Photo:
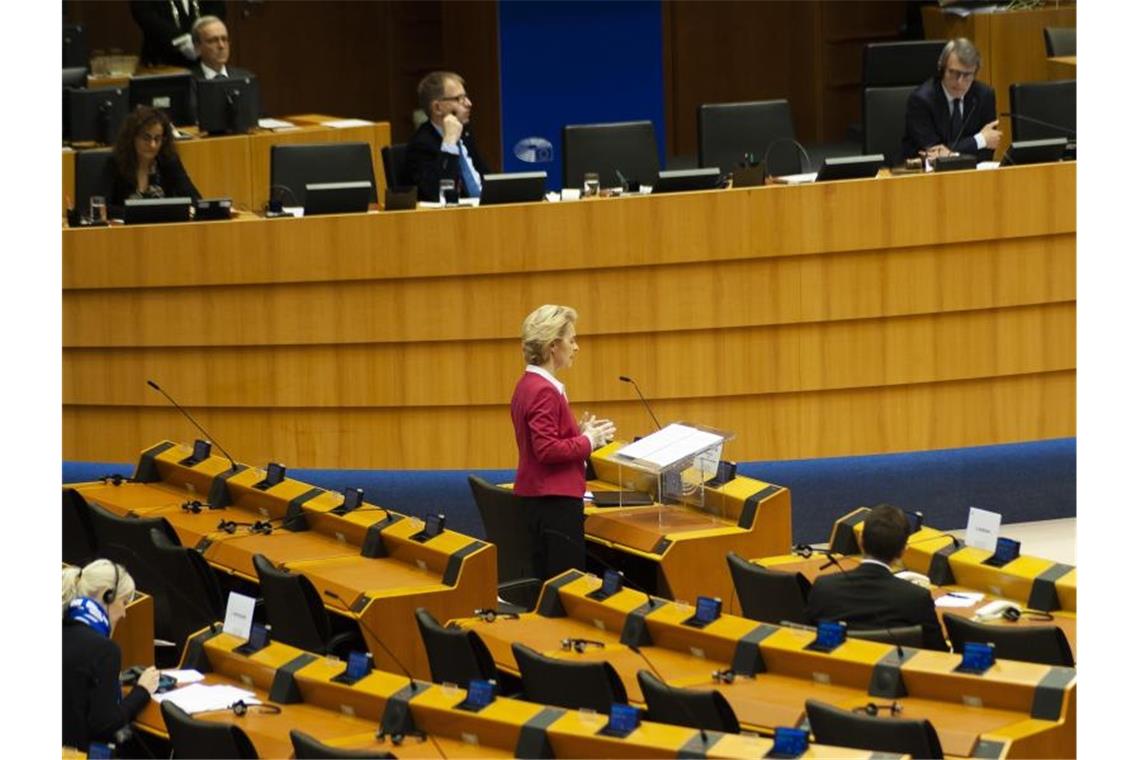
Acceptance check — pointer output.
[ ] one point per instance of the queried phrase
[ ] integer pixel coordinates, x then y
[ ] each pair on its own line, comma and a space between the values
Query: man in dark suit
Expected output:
212, 44
870, 596
952, 112
442, 147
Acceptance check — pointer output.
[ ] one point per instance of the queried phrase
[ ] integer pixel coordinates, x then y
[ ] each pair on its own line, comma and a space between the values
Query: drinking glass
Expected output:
447, 192
98, 209
590, 185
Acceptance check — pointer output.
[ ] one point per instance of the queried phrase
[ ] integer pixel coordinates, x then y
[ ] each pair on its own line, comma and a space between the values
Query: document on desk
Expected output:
346, 123
199, 697
268, 123
958, 599
669, 445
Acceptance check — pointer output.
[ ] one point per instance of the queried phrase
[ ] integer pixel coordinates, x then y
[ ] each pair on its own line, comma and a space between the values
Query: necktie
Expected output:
470, 183
955, 121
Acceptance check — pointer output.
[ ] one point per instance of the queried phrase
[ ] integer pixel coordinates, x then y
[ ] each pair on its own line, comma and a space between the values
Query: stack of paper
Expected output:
199, 697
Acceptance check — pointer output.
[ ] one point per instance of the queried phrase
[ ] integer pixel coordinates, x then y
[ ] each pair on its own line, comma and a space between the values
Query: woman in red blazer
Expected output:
553, 448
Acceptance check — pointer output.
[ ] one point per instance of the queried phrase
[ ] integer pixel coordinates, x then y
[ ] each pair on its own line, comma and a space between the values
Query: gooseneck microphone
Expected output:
648, 408
1070, 133
187, 415
625, 581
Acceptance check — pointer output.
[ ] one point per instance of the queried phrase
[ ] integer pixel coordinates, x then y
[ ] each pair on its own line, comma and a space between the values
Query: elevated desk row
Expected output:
237, 166
348, 716
1014, 709
827, 319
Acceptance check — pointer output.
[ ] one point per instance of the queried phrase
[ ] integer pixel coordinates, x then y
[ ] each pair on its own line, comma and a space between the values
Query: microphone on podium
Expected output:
649, 409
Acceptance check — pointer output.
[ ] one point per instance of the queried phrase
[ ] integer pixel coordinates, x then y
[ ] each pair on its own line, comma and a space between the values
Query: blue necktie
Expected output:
470, 181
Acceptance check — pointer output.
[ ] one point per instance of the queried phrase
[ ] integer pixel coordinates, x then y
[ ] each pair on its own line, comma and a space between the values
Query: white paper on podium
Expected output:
670, 444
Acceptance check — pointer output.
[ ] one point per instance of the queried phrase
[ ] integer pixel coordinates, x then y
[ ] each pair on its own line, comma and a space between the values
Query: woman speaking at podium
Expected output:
553, 448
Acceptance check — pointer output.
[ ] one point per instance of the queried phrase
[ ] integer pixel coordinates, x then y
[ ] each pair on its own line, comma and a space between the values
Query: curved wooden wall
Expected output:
894, 314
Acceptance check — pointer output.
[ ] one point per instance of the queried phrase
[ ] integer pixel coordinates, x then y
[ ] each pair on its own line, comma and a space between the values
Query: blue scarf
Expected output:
89, 612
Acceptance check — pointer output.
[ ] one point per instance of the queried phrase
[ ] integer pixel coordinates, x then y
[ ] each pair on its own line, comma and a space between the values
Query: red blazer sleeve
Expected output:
542, 419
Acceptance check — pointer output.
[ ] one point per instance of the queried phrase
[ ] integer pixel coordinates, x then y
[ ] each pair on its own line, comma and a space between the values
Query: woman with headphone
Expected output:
95, 599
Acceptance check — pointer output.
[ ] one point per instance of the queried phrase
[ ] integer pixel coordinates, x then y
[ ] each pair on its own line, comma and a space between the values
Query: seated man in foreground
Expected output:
871, 597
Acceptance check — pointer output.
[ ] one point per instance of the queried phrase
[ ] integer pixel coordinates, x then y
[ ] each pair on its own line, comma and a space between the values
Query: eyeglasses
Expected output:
156, 139
961, 76
457, 98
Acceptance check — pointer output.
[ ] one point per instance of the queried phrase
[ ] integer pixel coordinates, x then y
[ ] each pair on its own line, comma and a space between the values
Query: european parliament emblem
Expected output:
534, 150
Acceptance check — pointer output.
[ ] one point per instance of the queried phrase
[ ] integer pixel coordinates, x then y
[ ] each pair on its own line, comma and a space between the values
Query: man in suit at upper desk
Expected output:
212, 43
870, 596
442, 147
952, 112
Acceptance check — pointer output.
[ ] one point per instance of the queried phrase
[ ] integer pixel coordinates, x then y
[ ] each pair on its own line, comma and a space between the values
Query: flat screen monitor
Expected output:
516, 187
173, 93
851, 167
291, 167
606, 149
95, 115
156, 210
681, 180
1035, 152
228, 105
336, 198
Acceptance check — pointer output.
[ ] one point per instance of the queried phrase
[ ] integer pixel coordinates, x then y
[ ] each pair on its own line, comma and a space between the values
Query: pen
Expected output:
958, 596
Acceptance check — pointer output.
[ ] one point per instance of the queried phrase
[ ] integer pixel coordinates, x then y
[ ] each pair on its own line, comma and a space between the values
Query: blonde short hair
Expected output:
94, 580
542, 327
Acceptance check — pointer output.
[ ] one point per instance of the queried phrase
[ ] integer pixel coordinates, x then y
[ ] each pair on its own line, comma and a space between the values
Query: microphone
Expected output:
803, 152
957, 541
187, 415
962, 128
652, 602
649, 409
1070, 134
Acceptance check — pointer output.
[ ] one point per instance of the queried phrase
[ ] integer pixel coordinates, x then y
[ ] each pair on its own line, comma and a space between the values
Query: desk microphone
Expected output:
962, 128
942, 534
649, 409
1070, 134
807, 159
649, 597
187, 415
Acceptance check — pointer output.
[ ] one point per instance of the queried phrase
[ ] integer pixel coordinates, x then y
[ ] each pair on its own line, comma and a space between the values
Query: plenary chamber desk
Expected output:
836, 318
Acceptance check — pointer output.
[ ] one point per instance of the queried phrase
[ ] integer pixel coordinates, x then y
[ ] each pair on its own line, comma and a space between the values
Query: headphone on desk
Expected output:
728, 675
873, 709
1012, 614
579, 645
240, 708
489, 615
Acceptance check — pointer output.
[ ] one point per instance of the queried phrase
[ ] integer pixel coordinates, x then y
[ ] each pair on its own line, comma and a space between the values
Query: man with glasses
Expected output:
443, 148
952, 112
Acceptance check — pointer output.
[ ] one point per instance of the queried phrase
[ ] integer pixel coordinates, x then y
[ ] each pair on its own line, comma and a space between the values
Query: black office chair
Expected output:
194, 738
193, 588
306, 747
844, 728
291, 167
605, 149
767, 595
297, 615
92, 176
1052, 102
505, 524
726, 131
698, 708
889, 64
75, 46
1060, 40
394, 158
1045, 644
78, 535
906, 636
454, 655
884, 121
564, 683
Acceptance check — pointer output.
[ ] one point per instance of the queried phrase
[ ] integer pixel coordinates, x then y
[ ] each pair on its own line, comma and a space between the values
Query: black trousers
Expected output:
556, 525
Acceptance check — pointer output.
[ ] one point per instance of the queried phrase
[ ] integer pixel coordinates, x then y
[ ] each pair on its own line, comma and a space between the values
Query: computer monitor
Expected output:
291, 167
851, 167
95, 115
228, 105
517, 187
682, 180
336, 198
1034, 151
156, 210
173, 93
605, 149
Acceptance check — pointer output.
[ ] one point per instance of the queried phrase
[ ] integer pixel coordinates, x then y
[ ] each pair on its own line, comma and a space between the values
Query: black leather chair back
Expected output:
629, 147
75, 46
78, 535
455, 655
505, 525
698, 708
195, 594
293, 607
836, 726
907, 636
563, 683
1060, 40
887, 64
92, 177
884, 121
394, 158
1045, 644
295, 166
726, 131
1051, 102
766, 595
206, 739
306, 747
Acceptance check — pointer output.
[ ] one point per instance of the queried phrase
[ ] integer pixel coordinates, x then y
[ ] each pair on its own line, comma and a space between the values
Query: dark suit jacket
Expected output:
173, 179
871, 597
425, 164
92, 710
928, 119
160, 23
552, 450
